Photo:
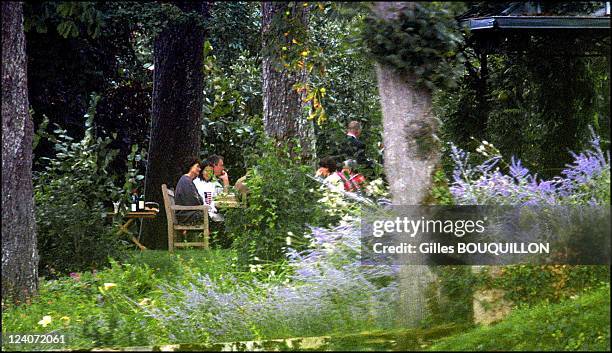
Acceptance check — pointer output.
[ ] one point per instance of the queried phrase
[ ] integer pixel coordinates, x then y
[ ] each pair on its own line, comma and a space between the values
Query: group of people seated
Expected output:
199, 186
344, 176
203, 181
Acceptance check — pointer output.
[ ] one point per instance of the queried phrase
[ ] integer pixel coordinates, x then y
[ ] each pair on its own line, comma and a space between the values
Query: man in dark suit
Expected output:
353, 148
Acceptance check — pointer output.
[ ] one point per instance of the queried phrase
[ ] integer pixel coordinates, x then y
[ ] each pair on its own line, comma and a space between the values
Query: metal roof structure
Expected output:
539, 22
507, 26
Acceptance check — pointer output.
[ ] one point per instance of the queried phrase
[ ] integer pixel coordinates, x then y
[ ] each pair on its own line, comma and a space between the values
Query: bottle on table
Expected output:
134, 201
141, 203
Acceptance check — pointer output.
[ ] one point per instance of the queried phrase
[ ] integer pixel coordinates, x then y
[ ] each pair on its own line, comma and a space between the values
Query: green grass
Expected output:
97, 317
171, 265
574, 324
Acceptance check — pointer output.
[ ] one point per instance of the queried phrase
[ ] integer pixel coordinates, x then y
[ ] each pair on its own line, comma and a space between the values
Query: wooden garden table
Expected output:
148, 213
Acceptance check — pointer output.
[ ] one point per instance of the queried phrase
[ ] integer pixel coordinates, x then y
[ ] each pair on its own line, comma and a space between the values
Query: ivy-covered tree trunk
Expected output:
19, 251
178, 86
283, 113
410, 157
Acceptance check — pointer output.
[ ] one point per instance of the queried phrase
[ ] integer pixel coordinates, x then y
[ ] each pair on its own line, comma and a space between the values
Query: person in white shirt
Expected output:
327, 173
208, 188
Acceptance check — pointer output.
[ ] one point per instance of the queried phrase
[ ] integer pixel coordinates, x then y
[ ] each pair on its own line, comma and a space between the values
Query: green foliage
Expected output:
532, 284
440, 193
133, 180
62, 73
153, 18
282, 202
421, 41
234, 27
231, 124
70, 198
450, 296
110, 307
573, 324
531, 105
71, 17
348, 80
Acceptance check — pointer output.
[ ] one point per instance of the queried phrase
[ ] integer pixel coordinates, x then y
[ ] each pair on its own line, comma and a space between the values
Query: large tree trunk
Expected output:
283, 114
178, 86
410, 157
19, 253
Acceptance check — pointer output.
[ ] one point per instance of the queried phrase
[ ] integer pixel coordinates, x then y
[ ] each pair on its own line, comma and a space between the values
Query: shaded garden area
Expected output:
102, 100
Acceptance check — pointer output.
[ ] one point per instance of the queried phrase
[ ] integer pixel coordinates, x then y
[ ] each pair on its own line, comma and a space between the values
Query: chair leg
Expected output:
171, 240
206, 230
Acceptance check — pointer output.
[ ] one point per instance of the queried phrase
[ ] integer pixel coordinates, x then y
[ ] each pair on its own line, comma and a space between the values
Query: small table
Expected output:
228, 201
147, 213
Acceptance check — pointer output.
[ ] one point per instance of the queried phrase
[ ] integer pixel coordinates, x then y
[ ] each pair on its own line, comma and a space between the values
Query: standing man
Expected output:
353, 148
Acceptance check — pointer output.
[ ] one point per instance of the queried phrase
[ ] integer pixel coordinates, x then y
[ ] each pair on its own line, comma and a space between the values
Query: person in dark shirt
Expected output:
186, 193
353, 148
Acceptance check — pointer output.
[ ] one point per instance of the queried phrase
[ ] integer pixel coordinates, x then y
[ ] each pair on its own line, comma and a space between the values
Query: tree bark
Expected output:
19, 251
411, 155
283, 113
178, 86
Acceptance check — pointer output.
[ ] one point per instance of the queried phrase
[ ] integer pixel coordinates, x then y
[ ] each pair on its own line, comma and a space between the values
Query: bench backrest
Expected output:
168, 203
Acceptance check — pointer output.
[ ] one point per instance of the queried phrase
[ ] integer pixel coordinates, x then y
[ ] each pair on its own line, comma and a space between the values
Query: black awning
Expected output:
537, 22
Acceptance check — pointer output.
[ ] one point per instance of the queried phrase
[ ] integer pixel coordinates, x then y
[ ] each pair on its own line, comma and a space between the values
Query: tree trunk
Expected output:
178, 86
283, 113
410, 157
19, 252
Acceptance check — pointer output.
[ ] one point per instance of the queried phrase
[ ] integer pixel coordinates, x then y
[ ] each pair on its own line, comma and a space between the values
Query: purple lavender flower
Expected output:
517, 171
479, 185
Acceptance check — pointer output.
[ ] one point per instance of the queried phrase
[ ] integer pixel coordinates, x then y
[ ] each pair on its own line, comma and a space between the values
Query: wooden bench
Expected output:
174, 227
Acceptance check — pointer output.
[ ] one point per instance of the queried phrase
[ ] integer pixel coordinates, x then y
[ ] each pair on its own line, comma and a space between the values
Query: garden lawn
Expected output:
582, 323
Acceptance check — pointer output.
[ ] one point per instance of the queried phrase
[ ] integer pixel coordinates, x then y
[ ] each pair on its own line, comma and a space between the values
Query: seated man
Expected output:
208, 188
216, 162
186, 194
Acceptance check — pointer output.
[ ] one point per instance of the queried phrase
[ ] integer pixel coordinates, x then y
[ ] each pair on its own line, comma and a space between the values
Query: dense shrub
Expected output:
419, 42
586, 181
450, 296
533, 108
91, 308
70, 196
157, 297
231, 124
529, 284
283, 202
349, 80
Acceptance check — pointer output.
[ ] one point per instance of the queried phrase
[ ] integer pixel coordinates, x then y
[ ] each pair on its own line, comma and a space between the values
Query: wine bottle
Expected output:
134, 204
141, 203
134, 201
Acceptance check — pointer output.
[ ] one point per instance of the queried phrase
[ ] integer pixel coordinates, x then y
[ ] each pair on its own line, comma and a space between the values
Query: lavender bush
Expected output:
585, 180
328, 292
